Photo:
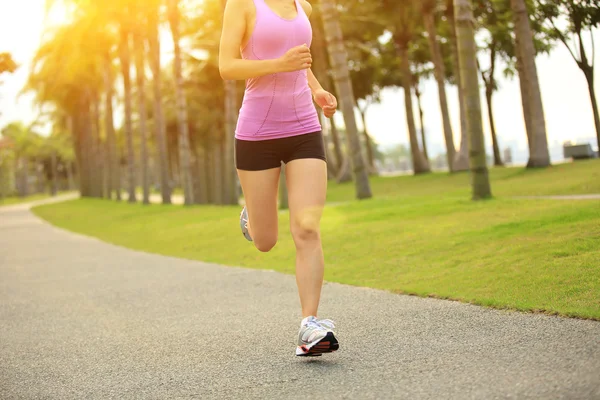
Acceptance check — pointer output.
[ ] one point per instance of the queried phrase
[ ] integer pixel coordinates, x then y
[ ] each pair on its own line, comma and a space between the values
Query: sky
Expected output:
564, 93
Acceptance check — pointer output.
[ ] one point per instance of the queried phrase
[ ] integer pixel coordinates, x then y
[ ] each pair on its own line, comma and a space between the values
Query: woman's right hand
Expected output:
296, 59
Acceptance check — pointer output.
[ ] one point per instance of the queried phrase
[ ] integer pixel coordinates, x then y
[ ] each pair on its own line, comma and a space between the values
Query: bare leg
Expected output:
307, 187
260, 192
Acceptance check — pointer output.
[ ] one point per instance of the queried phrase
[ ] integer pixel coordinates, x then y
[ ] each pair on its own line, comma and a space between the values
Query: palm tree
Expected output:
469, 80
535, 122
140, 67
429, 7
339, 66
113, 183
230, 180
182, 114
124, 56
405, 17
67, 73
153, 7
320, 67
461, 160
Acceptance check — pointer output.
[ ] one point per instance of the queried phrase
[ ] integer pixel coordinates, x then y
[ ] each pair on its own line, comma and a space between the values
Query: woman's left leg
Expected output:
307, 187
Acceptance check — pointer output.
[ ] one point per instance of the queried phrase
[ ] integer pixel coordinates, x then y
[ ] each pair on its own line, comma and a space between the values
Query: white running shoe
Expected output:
316, 337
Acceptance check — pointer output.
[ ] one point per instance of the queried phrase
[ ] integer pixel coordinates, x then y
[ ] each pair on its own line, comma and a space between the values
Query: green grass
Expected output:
420, 235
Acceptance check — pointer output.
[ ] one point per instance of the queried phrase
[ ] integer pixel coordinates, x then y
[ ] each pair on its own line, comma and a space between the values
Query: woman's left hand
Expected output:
326, 101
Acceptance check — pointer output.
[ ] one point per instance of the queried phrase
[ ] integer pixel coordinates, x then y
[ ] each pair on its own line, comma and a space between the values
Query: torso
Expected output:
278, 105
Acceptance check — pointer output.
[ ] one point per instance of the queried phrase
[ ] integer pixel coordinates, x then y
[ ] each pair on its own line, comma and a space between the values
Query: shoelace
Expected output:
327, 323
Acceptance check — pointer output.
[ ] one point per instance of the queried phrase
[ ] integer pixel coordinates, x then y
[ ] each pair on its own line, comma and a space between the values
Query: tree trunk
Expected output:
201, 187
420, 164
469, 80
338, 59
368, 141
490, 86
182, 113
530, 89
337, 146
70, 176
421, 121
497, 157
40, 177
589, 77
440, 77
54, 177
111, 147
217, 173
159, 119
210, 175
320, 67
230, 181
461, 161
231, 195
97, 154
140, 74
124, 54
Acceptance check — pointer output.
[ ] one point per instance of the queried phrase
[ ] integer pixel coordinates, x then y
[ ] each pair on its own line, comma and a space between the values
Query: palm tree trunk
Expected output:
231, 196
209, 171
337, 146
368, 141
320, 67
97, 150
440, 77
54, 176
420, 164
182, 114
230, 178
421, 120
589, 77
338, 59
497, 157
124, 54
490, 86
530, 88
217, 172
111, 147
469, 80
159, 119
461, 161
140, 68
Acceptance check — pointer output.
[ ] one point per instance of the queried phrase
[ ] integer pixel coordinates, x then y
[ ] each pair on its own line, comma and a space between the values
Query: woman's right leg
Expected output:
260, 192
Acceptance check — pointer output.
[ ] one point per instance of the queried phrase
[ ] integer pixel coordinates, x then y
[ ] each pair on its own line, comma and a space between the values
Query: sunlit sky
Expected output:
564, 91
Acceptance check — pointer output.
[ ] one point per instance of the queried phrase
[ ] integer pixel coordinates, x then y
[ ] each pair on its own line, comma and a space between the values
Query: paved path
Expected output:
81, 319
564, 197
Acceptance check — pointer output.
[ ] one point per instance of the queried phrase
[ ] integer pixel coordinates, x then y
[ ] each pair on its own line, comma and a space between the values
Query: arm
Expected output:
231, 65
313, 83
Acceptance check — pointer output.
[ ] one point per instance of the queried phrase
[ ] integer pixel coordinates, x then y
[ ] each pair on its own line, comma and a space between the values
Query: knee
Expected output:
305, 231
265, 244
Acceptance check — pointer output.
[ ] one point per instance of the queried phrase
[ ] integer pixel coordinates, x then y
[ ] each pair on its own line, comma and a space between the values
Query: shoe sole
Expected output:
328, 344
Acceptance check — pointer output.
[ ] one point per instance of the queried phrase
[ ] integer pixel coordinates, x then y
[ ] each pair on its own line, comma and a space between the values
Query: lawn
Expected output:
419, 235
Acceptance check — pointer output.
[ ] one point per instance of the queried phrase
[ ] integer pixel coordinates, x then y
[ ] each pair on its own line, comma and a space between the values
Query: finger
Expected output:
332, 100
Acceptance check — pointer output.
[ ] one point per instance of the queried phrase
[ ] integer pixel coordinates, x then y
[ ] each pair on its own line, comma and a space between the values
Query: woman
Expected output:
279, 123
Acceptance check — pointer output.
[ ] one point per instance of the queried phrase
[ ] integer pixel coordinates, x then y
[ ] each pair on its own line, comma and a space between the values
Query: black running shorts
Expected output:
267, 154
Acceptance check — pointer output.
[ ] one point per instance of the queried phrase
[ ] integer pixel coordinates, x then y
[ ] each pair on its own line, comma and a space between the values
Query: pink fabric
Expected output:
277, 105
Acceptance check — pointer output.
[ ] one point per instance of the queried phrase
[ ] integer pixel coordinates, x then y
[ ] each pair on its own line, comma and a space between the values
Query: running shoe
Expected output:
244, 224
316, 338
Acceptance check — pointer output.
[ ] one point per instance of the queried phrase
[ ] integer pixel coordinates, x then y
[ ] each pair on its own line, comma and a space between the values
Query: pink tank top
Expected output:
277, 105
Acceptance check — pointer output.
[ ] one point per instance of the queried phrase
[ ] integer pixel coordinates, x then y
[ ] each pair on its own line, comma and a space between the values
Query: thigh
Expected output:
307, 189
260, 193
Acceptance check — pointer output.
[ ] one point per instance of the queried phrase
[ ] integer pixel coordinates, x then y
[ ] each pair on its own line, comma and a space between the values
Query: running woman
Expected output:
267, 43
